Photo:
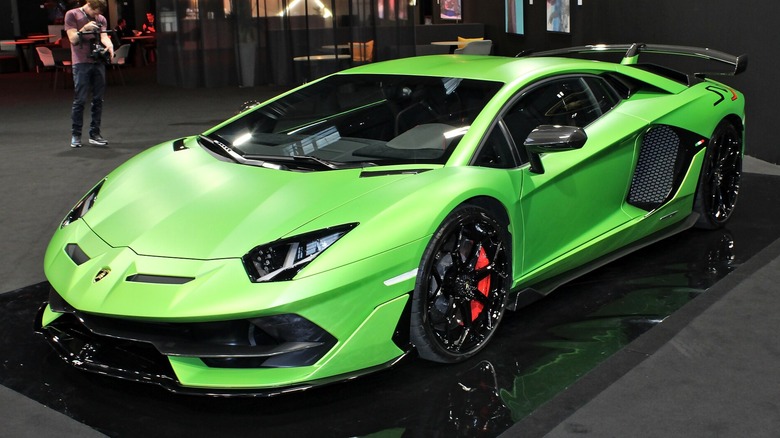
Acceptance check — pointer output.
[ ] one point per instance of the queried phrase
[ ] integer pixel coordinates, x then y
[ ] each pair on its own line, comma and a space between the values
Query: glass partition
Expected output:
281, 42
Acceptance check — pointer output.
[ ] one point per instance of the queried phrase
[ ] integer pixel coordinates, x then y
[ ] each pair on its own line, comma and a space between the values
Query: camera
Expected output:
99, 52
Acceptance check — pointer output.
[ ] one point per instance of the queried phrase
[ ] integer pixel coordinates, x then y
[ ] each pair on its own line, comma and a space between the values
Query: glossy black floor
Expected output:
538, 352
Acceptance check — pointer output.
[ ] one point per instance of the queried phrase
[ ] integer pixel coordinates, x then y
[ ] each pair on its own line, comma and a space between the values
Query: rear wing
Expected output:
632, 51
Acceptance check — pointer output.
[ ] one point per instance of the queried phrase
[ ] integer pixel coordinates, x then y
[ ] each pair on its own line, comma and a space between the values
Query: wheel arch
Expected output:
492, 205
731, 177
498, 209
737, 122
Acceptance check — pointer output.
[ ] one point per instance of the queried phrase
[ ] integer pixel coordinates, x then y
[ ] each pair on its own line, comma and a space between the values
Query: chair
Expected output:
481, 47
49, 63
463, 42
63, 62
363, 52
120, 60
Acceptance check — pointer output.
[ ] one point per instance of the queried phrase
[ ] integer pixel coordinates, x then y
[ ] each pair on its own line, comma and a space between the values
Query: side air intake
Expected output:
660, 159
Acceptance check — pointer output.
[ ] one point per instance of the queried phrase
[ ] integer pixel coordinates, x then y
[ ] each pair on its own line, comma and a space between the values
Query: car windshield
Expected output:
355, 121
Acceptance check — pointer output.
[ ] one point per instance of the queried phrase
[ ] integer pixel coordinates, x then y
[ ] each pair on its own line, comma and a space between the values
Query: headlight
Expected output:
283, 259
83, 206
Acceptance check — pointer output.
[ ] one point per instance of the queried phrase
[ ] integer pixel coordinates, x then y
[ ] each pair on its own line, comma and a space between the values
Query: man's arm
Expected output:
73, 34
106, 40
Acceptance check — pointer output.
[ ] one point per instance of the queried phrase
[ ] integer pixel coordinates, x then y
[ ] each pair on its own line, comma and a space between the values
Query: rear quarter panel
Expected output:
698, 109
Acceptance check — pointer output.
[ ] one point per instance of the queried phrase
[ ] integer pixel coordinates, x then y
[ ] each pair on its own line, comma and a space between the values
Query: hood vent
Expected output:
178, 145
76, 254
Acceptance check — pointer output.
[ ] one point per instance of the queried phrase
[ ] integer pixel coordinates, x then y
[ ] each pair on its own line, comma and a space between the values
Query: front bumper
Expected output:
184, 323
201, 358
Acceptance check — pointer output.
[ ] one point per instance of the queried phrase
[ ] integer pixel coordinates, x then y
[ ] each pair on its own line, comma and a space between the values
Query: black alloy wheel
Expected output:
462, 286
720, 177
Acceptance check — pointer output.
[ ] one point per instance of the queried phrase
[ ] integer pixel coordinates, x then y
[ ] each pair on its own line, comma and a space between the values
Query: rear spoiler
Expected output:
632, 52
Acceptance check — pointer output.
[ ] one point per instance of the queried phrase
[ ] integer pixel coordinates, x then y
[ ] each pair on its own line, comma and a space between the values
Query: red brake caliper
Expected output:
483, 286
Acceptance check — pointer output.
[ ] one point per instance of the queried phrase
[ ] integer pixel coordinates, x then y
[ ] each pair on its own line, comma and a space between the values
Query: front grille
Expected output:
274, 341
116, 357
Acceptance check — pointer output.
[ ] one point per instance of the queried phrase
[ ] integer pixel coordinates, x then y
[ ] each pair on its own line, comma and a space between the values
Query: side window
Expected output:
571, 101
496, 152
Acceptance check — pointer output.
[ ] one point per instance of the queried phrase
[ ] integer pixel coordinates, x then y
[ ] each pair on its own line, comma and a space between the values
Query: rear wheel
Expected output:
461, 291
720, 177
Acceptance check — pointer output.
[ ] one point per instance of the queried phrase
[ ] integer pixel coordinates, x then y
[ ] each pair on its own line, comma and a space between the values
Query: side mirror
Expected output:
552, 138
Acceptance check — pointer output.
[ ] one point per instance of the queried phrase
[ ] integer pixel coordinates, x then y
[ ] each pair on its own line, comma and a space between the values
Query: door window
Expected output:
570, 101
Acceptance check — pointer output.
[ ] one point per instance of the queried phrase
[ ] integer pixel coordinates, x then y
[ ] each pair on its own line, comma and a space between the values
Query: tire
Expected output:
461, 291
721, 173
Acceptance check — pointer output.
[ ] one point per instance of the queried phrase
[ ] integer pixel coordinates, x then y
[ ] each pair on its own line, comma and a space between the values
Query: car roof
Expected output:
480, 67
508, 70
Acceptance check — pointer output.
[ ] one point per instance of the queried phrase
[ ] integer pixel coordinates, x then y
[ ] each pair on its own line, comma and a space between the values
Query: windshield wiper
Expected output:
216, 147
318, 161
334, 165
300, 161
276, 162
295, 161
220, 148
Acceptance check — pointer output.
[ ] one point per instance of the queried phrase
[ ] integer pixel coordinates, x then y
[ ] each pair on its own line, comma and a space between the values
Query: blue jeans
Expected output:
88, 77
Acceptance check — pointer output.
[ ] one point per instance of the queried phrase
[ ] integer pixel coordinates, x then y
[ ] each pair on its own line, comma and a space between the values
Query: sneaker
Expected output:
75, 141
97, 139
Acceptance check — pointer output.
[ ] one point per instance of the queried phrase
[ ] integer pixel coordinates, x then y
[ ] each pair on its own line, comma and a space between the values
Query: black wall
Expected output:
32, 17
729, 25
6, 20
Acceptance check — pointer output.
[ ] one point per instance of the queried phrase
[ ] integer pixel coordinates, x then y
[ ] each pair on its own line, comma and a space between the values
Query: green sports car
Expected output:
394, 208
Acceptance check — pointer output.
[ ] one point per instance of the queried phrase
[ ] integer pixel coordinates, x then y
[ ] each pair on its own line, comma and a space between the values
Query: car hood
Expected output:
189, 204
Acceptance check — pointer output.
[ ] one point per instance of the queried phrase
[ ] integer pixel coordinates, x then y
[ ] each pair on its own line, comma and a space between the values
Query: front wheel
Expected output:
462, 286
721, 173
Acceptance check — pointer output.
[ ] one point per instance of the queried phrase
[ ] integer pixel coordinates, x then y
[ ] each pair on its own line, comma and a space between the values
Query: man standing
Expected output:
85, 27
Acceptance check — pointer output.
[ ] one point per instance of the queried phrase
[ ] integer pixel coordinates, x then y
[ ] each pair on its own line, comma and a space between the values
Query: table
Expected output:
145, 39
325, 57
40, 37
24, 58
133, 39
453, 44
448, 43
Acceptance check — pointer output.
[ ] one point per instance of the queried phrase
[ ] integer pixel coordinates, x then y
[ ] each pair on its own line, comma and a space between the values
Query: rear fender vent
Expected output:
664, 157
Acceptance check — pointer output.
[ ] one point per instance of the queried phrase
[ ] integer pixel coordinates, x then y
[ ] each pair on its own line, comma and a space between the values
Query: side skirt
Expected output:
529, 294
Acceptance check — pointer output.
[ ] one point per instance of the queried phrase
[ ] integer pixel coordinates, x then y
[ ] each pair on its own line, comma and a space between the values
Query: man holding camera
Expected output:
90, 48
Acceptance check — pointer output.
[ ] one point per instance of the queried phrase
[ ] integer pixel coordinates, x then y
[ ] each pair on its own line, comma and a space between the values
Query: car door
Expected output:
578, 198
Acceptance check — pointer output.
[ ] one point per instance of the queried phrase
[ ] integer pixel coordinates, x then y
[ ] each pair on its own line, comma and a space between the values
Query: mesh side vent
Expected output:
653, 178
